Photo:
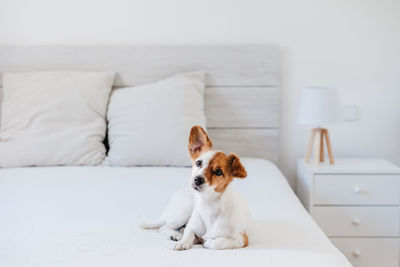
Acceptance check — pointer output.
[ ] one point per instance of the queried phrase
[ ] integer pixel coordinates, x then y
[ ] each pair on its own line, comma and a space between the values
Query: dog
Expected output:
209, 211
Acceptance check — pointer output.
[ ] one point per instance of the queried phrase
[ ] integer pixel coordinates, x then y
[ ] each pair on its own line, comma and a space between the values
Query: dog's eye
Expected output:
218, 172
198, 163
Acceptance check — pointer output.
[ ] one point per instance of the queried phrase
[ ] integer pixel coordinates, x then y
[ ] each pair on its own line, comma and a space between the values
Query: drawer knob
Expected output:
356, 253
356, 190
355, 221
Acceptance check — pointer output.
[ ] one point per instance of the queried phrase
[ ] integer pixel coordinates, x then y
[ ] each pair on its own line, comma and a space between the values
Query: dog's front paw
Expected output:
182, 245
210, 244
176, 236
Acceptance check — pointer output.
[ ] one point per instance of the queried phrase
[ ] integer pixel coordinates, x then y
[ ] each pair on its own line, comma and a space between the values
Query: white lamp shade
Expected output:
318, 105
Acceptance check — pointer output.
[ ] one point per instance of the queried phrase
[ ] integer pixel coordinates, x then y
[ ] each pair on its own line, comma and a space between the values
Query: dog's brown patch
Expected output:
219, 161
229, 165
246, 240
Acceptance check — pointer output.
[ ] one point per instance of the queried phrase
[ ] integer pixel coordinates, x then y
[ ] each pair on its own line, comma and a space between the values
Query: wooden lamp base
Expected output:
317, 138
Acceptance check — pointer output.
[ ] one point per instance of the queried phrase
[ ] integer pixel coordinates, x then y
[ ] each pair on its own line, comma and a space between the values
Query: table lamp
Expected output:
319, 106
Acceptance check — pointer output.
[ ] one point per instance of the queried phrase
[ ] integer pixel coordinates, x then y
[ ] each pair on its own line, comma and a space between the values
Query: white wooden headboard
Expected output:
242, 94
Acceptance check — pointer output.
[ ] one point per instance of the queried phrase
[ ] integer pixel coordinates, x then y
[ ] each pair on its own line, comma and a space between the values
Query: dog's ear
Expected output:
198, 142
237, 168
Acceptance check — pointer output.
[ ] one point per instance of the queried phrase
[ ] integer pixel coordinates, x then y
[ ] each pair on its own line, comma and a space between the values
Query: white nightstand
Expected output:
356, 203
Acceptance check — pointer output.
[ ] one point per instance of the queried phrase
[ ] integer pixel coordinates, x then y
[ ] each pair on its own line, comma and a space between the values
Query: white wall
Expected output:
353, 45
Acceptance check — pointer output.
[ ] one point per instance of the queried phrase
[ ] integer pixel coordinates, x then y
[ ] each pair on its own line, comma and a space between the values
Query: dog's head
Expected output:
212, 170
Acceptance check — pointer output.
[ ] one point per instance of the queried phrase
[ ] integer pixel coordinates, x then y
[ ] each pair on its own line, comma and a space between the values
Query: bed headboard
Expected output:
242, 94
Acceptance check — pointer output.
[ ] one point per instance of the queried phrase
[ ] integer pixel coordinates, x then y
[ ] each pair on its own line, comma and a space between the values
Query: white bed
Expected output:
87, 216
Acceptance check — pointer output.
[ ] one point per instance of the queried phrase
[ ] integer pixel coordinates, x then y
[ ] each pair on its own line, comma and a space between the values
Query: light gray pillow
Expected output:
54, 118
150, 124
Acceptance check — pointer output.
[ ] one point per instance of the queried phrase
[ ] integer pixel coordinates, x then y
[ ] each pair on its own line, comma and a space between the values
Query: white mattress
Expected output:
87, 216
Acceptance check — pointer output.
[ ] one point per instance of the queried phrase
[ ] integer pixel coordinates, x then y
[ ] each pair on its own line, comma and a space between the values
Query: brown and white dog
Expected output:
210, 210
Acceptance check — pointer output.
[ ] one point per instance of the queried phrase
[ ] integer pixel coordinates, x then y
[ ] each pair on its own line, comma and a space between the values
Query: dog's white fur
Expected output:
219, 218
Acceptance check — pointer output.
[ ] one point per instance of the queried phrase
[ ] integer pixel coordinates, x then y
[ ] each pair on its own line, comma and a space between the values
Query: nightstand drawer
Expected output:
369, 252
358, 221
356, 189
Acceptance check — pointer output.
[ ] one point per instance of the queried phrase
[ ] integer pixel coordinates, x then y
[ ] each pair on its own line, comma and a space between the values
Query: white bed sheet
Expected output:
87, 216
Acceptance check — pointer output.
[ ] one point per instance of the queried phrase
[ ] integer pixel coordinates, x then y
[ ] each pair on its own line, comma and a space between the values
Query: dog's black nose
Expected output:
198, 180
